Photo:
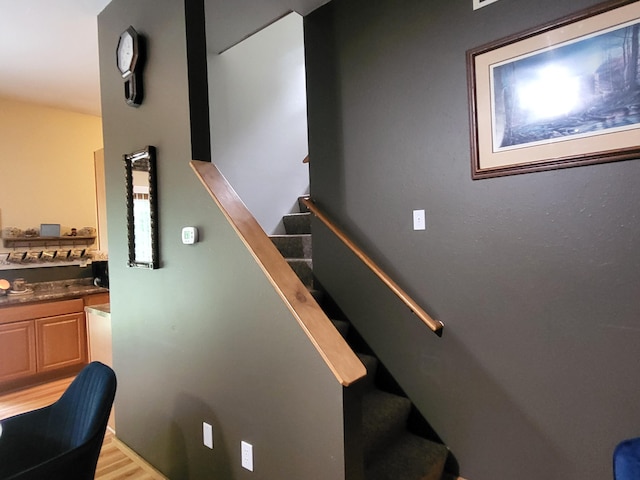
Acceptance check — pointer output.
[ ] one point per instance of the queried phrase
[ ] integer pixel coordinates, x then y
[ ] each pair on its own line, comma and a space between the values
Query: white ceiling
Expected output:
49, 52
49, 48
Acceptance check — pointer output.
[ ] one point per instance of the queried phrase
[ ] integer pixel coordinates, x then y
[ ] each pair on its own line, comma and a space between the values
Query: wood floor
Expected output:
116, 460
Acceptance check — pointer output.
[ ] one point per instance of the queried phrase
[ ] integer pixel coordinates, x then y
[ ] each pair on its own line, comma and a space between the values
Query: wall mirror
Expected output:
142, 212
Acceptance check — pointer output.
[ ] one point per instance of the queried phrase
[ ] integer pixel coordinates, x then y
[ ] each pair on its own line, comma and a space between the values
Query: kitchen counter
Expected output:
102, 310
58, 290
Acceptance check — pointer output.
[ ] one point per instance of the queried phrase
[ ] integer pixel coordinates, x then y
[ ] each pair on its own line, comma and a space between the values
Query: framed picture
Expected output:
561, 95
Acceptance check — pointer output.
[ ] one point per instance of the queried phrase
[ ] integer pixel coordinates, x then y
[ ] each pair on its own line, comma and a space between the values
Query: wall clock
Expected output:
130, 56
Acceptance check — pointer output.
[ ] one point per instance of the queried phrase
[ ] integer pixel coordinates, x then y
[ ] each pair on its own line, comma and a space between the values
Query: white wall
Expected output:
47, 166
259, 119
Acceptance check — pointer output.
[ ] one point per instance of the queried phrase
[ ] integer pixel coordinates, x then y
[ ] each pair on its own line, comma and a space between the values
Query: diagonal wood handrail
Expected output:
434, 325
335, 351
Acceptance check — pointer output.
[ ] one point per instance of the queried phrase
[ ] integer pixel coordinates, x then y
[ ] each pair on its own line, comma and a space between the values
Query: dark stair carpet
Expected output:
390, 450
297, 223
293, 246
409, 457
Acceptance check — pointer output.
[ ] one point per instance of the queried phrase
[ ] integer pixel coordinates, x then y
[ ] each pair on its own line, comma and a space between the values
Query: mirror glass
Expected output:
142, 208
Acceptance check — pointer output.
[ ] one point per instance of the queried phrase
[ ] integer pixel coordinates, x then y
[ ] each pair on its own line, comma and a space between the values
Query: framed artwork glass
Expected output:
561, 95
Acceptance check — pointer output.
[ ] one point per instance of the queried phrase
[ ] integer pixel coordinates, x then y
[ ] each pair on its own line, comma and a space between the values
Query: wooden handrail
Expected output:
335, 351
434, 325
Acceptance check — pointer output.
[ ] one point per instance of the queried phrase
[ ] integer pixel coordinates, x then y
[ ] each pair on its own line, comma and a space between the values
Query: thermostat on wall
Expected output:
189, 235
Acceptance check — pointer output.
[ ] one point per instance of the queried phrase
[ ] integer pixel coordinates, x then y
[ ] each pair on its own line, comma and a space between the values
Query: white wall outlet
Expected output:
247, 455
207, 435
189, 235
419, 222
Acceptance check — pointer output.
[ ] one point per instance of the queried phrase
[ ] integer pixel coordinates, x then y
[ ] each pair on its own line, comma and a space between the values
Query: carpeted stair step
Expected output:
303, 268
371, 364
342, 326
293, 246
384, 419
301, 206
410, 457
297, 223
329, 307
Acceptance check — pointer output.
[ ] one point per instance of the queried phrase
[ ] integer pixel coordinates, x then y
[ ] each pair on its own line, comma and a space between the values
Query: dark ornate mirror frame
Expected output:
143, 160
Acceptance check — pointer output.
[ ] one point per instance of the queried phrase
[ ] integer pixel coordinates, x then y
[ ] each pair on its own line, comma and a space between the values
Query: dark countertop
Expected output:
59, 290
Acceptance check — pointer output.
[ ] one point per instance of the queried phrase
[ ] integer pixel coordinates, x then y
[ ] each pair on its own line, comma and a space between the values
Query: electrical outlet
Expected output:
207, 435
247, 455
419, 222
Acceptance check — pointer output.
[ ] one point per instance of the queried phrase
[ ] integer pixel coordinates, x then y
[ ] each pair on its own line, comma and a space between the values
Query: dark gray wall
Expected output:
536, 276
205, 337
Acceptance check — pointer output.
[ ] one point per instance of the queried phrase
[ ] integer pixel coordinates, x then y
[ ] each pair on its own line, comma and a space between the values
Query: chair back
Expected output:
83, 410
626, 460
61, 441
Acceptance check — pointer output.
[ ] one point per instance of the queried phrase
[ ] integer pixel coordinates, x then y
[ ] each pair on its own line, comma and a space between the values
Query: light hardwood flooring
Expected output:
116, 461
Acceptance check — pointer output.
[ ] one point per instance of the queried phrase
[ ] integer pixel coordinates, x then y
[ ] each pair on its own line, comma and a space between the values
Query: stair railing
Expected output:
435, 325
334, 350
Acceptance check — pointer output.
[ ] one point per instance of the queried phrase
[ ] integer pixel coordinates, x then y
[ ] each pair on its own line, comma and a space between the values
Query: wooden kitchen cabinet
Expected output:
17, 351
41, 340
61, 341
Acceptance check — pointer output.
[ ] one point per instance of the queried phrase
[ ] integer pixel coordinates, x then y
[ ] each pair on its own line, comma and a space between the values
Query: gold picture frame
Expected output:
561, 95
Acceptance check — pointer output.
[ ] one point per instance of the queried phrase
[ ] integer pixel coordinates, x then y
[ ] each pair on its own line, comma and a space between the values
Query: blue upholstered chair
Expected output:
61, 441
626, 460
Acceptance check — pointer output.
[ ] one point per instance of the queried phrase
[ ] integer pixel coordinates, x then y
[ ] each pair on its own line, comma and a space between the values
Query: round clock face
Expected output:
125, 53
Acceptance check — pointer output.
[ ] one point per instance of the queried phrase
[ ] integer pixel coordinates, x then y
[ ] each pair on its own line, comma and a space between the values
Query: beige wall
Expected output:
47, 166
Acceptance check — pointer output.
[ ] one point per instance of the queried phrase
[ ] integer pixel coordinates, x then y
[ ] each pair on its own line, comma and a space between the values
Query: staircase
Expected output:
394, 435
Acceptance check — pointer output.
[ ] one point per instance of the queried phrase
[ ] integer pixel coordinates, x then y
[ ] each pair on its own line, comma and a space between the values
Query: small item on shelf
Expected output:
19, 285
74, 232
32, 256
62, 255
76, 254
87, 232
98, 255
11, 232
31, 232
15, 257
48, 255
50, 229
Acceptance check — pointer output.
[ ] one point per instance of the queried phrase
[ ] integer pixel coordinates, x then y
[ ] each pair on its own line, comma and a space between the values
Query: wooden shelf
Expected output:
62, 263
45, 241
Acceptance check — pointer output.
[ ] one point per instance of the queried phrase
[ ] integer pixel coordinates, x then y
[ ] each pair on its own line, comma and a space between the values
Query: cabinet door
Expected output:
17, 350
61, 341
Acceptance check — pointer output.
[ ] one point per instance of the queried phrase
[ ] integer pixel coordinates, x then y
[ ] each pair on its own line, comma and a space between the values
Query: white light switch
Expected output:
419, 222
207, 435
